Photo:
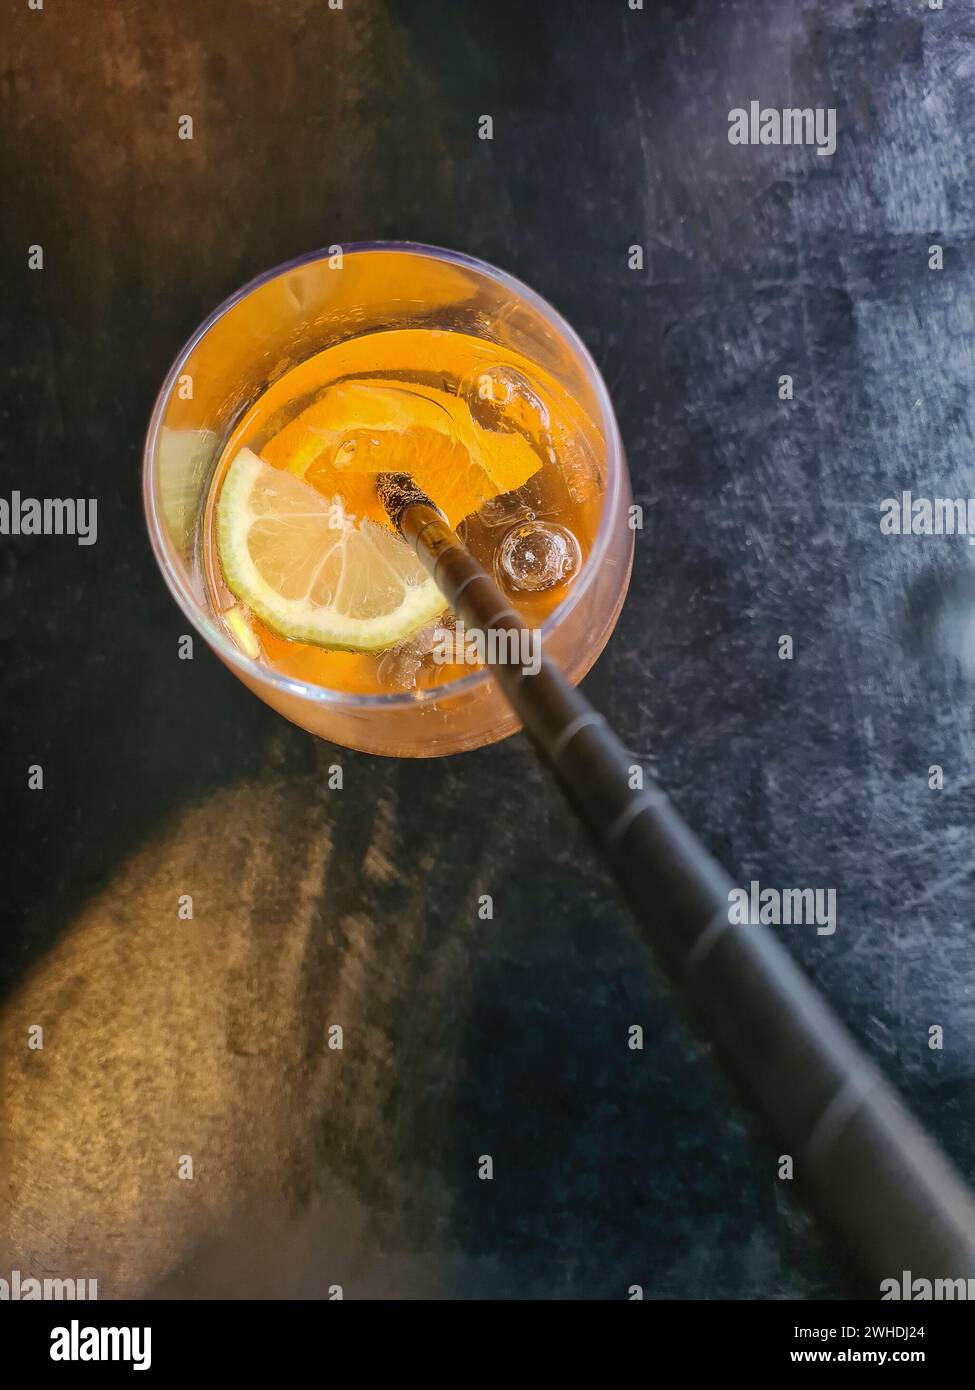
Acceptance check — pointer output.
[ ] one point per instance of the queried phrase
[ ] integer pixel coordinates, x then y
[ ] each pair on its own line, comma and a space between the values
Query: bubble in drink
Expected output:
538, 555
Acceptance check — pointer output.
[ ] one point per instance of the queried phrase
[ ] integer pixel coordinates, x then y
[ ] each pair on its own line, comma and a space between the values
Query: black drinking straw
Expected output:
880, 1186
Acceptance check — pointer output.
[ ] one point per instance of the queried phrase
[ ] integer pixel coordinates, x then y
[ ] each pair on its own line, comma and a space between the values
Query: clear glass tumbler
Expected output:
285, 317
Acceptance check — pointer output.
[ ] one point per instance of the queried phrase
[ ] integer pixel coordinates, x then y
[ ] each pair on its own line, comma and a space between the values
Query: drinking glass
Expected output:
285, 317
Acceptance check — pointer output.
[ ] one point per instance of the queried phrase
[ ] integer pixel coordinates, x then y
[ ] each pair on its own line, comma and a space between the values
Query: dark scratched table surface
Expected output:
163, 1038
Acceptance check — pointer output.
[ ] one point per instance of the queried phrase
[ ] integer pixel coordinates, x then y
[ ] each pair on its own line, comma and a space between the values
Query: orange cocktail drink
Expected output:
261, 489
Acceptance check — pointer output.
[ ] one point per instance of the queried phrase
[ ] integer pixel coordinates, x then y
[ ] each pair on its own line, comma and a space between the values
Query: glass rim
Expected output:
208, 626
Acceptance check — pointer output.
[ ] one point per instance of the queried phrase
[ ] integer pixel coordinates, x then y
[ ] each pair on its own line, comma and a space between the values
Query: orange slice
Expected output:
357, 429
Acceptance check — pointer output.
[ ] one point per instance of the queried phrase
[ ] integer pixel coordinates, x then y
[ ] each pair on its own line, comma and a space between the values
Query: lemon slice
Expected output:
184, 459
311, 574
